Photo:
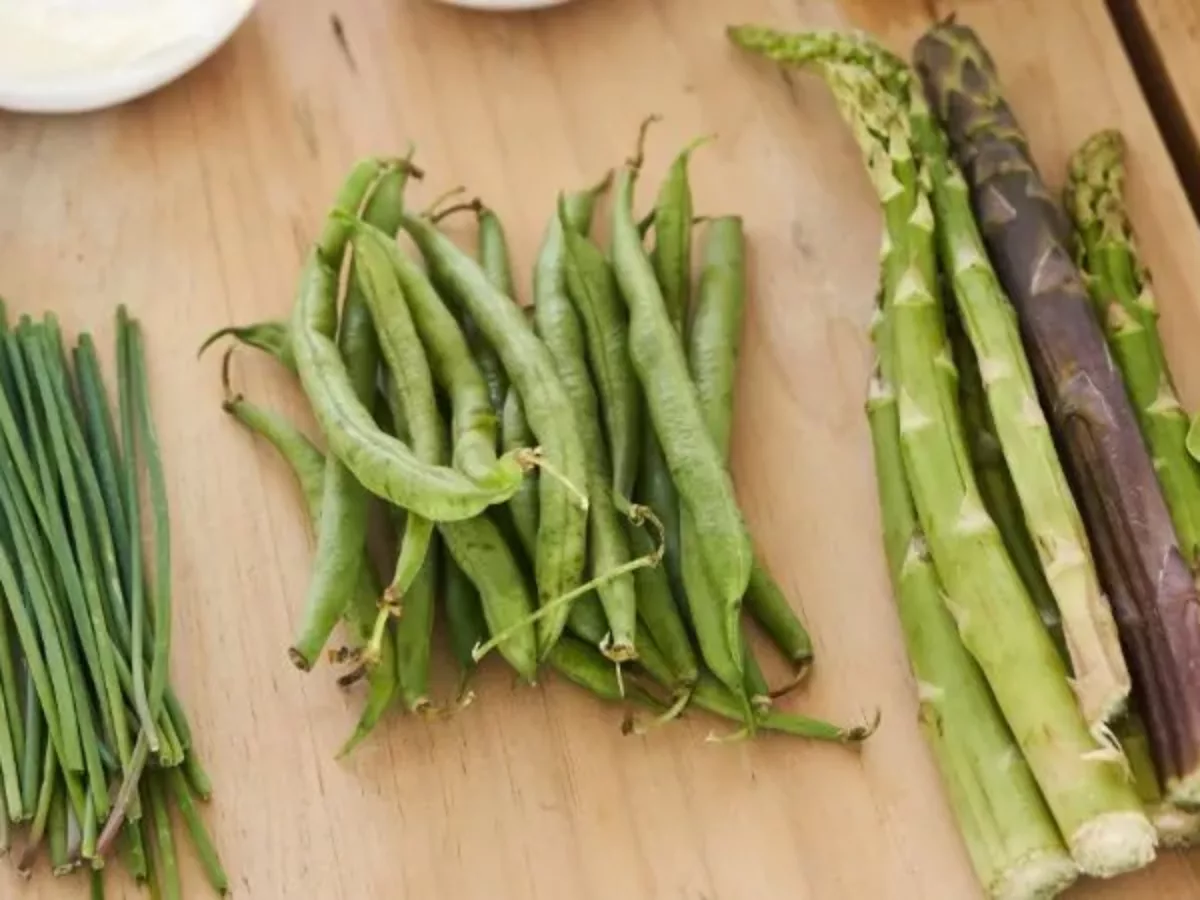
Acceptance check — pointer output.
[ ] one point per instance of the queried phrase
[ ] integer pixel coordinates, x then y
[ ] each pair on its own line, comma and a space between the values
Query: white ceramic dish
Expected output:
504, 5
101, 81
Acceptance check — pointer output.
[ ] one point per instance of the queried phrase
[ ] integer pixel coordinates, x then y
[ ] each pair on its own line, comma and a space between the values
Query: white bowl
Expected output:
114, 50
504, 5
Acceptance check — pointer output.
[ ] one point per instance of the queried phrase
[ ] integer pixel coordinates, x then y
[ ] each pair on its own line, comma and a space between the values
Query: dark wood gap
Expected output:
1183, 144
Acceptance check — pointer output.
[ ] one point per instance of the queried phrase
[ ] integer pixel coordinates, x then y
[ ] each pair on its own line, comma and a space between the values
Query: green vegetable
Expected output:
1148, 580
1093, 806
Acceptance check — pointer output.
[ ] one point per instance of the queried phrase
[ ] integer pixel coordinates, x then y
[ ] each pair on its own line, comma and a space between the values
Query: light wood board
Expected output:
195, 205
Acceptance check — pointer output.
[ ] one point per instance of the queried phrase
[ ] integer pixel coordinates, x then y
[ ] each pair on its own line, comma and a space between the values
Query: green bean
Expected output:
465, 623
164, 842
579, 662
308, 465
655, 664
374, 189
414, 632
560, 329
71, 460
383, 464
473, 418
673, 236
713, 341
587, 620
57, 829
769, 606
479, 549
271, 337
497, 265
592, 288
755, 683
515, 433
210, 860
713, 696
562, 527
382, 680
342, 530
385, 289
721, 545
656, 490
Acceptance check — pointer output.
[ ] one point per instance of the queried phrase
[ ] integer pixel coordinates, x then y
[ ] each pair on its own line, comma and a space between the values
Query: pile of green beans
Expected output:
536, 465
95, 746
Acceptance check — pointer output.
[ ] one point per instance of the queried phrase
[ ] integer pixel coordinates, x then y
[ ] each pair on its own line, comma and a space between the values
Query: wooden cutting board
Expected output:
195, 205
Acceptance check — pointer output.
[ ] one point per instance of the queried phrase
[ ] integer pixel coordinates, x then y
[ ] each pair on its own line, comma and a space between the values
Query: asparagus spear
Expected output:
1100, 676
1010, 836
1121, 291
1146, 575
1094, 808
996, 486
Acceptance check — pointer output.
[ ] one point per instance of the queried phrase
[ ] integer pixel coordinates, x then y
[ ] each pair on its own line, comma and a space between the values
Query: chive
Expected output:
35, 746
67, 443
209, 858
127, 402
164, 842
161, 618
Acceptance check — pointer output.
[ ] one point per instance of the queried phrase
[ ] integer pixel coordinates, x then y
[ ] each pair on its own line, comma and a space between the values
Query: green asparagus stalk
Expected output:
996, 486
1176, 827
1010, 836
1107, 254
1147, 577
1083, 783
1099, 674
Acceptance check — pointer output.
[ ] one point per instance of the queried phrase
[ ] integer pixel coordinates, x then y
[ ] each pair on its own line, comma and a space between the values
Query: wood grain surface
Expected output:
195, 205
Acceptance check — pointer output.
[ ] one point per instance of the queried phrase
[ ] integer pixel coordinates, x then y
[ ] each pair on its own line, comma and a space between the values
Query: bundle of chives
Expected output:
94, 744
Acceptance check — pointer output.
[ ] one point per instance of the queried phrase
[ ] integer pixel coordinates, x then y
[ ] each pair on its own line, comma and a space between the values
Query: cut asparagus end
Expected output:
1039, 877
1176, 828
1114, 843
1185, 792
